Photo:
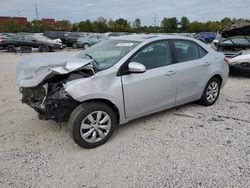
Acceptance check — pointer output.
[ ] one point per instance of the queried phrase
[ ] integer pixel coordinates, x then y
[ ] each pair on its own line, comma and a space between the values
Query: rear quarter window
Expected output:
202, 52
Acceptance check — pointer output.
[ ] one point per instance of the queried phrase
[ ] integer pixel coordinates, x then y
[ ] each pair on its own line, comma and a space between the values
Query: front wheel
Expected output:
86, 45
92, 124
211, 92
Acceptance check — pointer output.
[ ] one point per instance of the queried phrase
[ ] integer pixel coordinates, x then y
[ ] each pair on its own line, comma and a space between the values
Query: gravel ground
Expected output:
188, 146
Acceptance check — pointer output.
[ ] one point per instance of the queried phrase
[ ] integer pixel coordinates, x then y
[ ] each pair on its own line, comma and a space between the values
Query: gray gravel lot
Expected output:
188, 146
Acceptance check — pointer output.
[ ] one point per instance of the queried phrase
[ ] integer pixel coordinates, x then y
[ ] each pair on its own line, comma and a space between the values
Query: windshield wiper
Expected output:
89, 56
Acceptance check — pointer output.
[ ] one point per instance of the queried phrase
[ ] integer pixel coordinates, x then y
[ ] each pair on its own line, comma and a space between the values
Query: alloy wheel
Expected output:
212, 92
95, 126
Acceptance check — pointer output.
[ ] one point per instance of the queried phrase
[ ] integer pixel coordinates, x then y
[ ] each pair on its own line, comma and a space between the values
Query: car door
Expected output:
192, 66
20, 41
28, 40
154, 89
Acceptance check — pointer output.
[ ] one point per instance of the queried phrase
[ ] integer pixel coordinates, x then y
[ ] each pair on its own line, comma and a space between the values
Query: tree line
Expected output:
101, 25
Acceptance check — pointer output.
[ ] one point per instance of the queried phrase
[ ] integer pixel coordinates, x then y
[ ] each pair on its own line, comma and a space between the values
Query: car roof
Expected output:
149, 37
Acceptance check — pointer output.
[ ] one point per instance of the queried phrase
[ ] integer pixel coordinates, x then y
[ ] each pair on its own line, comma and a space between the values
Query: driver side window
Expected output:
155, 55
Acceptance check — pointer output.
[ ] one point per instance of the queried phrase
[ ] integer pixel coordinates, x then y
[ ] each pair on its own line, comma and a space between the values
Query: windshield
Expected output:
238, 40
108, 52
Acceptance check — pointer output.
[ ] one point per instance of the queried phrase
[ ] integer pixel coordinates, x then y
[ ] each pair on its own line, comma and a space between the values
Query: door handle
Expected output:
206, 63
171, 72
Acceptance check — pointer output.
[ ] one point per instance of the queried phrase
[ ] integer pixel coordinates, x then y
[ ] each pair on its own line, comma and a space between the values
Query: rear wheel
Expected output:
92, 124
211, 92
11, 48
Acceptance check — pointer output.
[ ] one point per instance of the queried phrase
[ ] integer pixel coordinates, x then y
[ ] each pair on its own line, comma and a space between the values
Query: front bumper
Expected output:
242, 67
56, 106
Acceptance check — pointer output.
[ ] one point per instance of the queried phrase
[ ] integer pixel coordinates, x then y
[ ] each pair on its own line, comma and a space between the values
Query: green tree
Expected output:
47, 27
196, 27
74, 27
101, 25
213, 26
119, 25
64, 25
11, 26
184, 24
36, 26
137, 24
85, 26
226, 22
169, 24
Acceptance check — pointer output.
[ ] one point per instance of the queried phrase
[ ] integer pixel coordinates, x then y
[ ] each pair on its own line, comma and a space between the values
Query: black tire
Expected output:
11, 48
85, 46
204, 101
74, 45
44, 48
80, 113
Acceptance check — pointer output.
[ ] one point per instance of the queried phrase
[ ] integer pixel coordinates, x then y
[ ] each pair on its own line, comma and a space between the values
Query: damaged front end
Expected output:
42, 84
50, 99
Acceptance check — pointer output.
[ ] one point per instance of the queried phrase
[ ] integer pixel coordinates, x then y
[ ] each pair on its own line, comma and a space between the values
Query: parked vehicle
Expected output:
240, 63
86, 42
62, 35
234, 42
116, 34
118, 80
191, 35
71, 39
206, 37
2, 40
27, 41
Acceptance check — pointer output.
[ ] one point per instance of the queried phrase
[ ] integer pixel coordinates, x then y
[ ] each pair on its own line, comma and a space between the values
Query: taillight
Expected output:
2, 40
226, 59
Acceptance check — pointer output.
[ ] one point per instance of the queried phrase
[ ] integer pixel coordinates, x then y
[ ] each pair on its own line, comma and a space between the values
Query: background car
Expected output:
27, 41
62, 35
72, 37
116, 34
240, 63
233, 44
206, 37
2, 40
85, 42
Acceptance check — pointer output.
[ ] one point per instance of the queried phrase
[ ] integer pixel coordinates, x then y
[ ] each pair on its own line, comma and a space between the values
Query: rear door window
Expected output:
187, 51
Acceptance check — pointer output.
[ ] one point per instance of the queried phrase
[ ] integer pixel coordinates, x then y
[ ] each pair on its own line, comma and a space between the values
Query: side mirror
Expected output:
34, 40
135, 67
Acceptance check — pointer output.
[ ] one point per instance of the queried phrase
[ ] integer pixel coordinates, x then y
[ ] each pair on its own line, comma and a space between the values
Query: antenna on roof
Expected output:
36, 11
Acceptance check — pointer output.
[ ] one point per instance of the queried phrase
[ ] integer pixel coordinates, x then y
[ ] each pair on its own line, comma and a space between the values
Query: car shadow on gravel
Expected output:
236, 74
156, 117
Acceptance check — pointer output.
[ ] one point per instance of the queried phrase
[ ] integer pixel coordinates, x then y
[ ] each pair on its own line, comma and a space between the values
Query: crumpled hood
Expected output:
31, 70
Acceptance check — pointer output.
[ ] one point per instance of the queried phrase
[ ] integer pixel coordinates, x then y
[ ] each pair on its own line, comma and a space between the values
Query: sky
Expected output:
146, 10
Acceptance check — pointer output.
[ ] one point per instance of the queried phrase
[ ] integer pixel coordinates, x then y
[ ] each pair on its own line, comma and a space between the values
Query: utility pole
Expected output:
155, 19
36, 12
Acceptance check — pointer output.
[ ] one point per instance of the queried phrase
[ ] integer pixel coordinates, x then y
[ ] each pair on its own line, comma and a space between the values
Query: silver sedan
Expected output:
121, 79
